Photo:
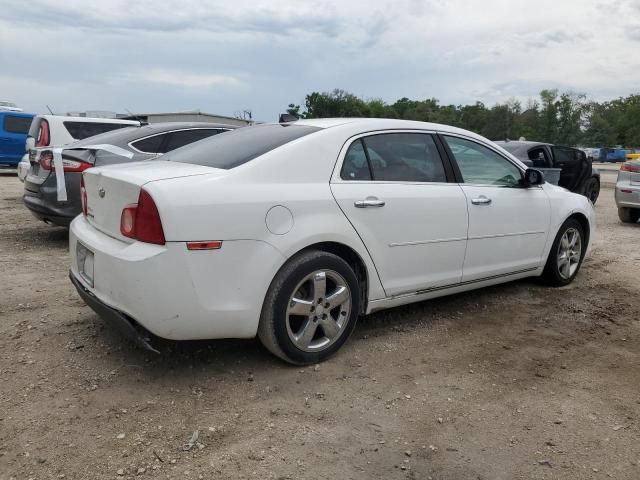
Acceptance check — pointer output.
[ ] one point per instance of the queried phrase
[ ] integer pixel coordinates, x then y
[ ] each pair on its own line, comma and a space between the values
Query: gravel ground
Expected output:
513, 381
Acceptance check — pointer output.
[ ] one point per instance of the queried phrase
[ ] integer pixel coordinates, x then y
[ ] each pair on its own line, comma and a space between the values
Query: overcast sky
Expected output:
227, 56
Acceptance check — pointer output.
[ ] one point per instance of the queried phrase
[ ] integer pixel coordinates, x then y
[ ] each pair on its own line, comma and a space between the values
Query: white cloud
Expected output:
263, 54
179, 78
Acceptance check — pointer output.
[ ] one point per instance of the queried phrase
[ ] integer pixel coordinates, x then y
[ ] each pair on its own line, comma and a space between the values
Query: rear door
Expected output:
400, 197
508, 224
575, 167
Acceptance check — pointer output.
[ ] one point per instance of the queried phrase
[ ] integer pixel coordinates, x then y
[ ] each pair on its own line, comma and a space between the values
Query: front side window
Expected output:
480, 165
394, 157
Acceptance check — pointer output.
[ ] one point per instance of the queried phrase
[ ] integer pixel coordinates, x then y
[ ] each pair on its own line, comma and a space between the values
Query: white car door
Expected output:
402, 199
508, 223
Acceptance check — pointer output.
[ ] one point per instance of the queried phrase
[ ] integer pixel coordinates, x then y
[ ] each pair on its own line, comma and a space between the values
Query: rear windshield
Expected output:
15, 124
80, 130
230, 149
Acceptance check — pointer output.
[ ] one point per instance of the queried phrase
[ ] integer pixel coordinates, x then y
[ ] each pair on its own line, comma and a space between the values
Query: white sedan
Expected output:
291, 231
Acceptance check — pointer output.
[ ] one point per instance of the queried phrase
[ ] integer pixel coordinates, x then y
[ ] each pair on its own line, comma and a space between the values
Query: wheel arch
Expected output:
349, 255
354, 259
582, 219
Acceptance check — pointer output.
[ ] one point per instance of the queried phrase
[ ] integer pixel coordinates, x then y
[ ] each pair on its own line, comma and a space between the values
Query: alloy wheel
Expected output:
569, 253
318, 310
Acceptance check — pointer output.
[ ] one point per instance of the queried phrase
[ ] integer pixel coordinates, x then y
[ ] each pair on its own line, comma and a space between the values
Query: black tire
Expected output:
592, 189
551, 274
273, 330
629, 215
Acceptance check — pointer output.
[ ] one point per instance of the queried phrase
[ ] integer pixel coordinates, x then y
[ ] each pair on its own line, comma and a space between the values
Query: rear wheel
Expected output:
629, 215
592, 189
567, 252
311, 308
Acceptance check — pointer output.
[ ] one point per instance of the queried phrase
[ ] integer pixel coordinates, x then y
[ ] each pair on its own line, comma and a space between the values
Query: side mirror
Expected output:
29, 144
532, 177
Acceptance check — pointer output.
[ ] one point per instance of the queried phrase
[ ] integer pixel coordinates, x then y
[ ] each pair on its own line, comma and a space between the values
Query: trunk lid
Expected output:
111, 188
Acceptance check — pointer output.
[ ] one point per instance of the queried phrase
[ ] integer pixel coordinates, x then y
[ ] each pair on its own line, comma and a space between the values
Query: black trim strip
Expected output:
449, 166
453, 285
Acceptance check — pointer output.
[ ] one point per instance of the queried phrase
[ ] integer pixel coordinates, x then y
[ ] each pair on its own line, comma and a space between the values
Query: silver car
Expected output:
628, 192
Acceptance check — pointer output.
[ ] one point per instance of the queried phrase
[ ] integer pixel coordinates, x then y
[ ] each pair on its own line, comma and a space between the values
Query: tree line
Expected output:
565, 118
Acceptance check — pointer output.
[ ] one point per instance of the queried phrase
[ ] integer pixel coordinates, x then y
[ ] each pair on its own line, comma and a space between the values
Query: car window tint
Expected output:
231, 149
481, 165
15, 124
404, 157
185, 137
80, 130
355, 165
566, 155
150, 144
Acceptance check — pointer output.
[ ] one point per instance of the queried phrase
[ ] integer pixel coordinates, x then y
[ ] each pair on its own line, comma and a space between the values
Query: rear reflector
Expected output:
208, 245
83, 196
128, 221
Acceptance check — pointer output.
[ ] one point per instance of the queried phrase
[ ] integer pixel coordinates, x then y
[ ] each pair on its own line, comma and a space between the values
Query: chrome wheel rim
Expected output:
569, 253
318, 310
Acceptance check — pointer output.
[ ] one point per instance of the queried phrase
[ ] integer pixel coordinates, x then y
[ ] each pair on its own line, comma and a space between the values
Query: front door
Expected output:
401, 199
508, 224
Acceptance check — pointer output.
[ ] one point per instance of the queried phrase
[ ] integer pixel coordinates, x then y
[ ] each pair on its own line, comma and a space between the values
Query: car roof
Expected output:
67, 118
16, 114
372, 124
122, 136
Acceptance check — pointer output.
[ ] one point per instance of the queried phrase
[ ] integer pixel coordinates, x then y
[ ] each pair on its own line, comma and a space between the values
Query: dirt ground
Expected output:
514, 381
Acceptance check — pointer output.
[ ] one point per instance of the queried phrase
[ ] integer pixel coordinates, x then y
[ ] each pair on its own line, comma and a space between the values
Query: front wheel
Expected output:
567, 252
311, 308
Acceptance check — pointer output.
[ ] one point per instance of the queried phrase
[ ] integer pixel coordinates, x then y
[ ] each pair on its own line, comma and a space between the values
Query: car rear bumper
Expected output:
627, 195
175, 293
118, 320
42, 199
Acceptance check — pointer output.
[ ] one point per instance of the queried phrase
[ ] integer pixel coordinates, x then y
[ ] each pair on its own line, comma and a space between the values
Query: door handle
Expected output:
481, 200
369, 202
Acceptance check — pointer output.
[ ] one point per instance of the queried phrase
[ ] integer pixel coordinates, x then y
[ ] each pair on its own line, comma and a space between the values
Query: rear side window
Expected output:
234, 148
15, 124
185, 137
394, 157
81, 130
150, 144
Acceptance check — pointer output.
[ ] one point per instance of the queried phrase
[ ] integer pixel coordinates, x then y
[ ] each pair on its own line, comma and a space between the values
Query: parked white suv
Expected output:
48, 131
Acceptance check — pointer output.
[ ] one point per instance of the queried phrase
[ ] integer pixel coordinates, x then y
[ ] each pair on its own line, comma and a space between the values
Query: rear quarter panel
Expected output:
236, 206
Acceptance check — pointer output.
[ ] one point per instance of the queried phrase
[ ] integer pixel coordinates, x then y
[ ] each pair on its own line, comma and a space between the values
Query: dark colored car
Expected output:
14, 127
576, 171
131, 144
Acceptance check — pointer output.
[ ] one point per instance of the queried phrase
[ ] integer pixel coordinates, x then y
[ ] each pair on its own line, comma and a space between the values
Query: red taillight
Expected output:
630, 167
142, 220
46, 162
83, 196
43, 134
